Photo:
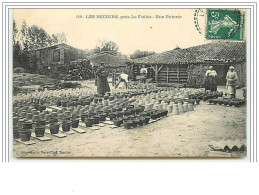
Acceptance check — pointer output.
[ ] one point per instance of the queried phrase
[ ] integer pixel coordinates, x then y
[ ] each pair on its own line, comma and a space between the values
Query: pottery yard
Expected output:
165, 93
181, 131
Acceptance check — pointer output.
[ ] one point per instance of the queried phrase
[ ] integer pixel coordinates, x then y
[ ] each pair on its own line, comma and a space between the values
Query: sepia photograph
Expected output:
129, 83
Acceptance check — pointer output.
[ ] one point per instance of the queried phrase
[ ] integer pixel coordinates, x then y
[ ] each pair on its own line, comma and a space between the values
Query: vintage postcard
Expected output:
129, 83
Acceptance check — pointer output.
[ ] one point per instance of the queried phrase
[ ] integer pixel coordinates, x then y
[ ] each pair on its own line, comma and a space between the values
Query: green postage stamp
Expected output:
225, 24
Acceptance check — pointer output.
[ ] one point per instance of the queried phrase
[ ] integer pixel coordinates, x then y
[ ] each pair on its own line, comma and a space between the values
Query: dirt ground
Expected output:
185, 135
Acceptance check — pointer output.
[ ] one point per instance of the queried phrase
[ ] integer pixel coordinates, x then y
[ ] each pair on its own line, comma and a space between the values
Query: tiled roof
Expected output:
218, 51
107, 58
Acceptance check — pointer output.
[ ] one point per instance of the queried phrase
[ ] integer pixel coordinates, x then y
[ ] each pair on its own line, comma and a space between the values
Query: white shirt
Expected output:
143, 71
211, 73
125, 77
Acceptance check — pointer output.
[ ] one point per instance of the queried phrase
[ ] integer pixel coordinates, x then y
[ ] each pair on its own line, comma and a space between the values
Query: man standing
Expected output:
143, 73
102, 81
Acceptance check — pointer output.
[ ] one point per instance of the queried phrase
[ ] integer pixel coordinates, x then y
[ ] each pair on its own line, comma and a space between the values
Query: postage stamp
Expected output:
225, 24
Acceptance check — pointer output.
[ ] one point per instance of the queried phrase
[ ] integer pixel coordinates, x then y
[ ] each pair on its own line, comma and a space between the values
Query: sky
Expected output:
177, 28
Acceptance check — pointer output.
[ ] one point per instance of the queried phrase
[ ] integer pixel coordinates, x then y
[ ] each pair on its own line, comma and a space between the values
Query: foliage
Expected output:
140, 54
26, 40
107, 46
18, 70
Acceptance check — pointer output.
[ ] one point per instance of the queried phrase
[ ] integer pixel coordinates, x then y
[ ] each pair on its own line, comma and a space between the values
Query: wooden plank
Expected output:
218, 154
45, 138
30, 142
79, 130
59, 135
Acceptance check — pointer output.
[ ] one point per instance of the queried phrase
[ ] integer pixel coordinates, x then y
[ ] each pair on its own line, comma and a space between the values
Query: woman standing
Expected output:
211, 79
102, 81
231, 82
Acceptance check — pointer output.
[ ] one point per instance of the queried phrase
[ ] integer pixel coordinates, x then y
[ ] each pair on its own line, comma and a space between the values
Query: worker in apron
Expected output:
123, 78
102, 81
211, 80
231, 82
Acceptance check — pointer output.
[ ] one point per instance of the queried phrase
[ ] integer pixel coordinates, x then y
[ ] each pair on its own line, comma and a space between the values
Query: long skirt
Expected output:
102, 85
211, 83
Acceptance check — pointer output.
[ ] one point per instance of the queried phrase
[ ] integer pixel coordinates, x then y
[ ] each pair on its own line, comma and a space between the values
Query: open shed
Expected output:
188, 66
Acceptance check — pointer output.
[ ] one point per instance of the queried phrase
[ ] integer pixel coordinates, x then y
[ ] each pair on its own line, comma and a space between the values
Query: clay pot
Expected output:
225, 102
25, 134
89, 122
23, 114
211, 101
42, 107
75, 123
154, 116
64, 103
102, 116
58, 103
40, 123
190, 107
220, 102
141, 121
231, 103
135, 122
118, 122
127, 124
15, 121
54, 128
53, 119
60, 116
16, 134
83, 116
126, 113
27, 125
111, 98
39, 131
66, 125
119, 114
113, 115
96, 119
147, 119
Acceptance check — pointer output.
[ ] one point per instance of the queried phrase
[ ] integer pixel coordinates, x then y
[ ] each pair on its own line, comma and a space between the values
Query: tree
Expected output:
27, 40
107, 46
140, 54
58, 38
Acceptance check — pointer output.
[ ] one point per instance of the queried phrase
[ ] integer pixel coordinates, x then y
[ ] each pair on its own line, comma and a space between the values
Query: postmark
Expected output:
199, 15
225, 25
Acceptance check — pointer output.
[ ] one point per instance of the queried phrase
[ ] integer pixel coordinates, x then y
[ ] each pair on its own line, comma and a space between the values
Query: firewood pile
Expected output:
74, 70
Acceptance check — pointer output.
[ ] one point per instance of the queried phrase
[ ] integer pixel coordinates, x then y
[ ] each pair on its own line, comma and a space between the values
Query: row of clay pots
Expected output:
227, 102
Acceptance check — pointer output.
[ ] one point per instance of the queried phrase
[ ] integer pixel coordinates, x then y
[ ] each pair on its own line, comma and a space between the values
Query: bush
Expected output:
18, 70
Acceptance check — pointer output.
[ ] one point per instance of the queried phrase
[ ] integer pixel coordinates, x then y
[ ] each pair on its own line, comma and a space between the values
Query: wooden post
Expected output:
178, 73
167, 74
156, 73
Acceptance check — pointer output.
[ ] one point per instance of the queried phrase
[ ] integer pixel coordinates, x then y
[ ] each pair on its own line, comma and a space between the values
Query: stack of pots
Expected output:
39, 127
54, 123
16, 134
75, 121
25, 131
